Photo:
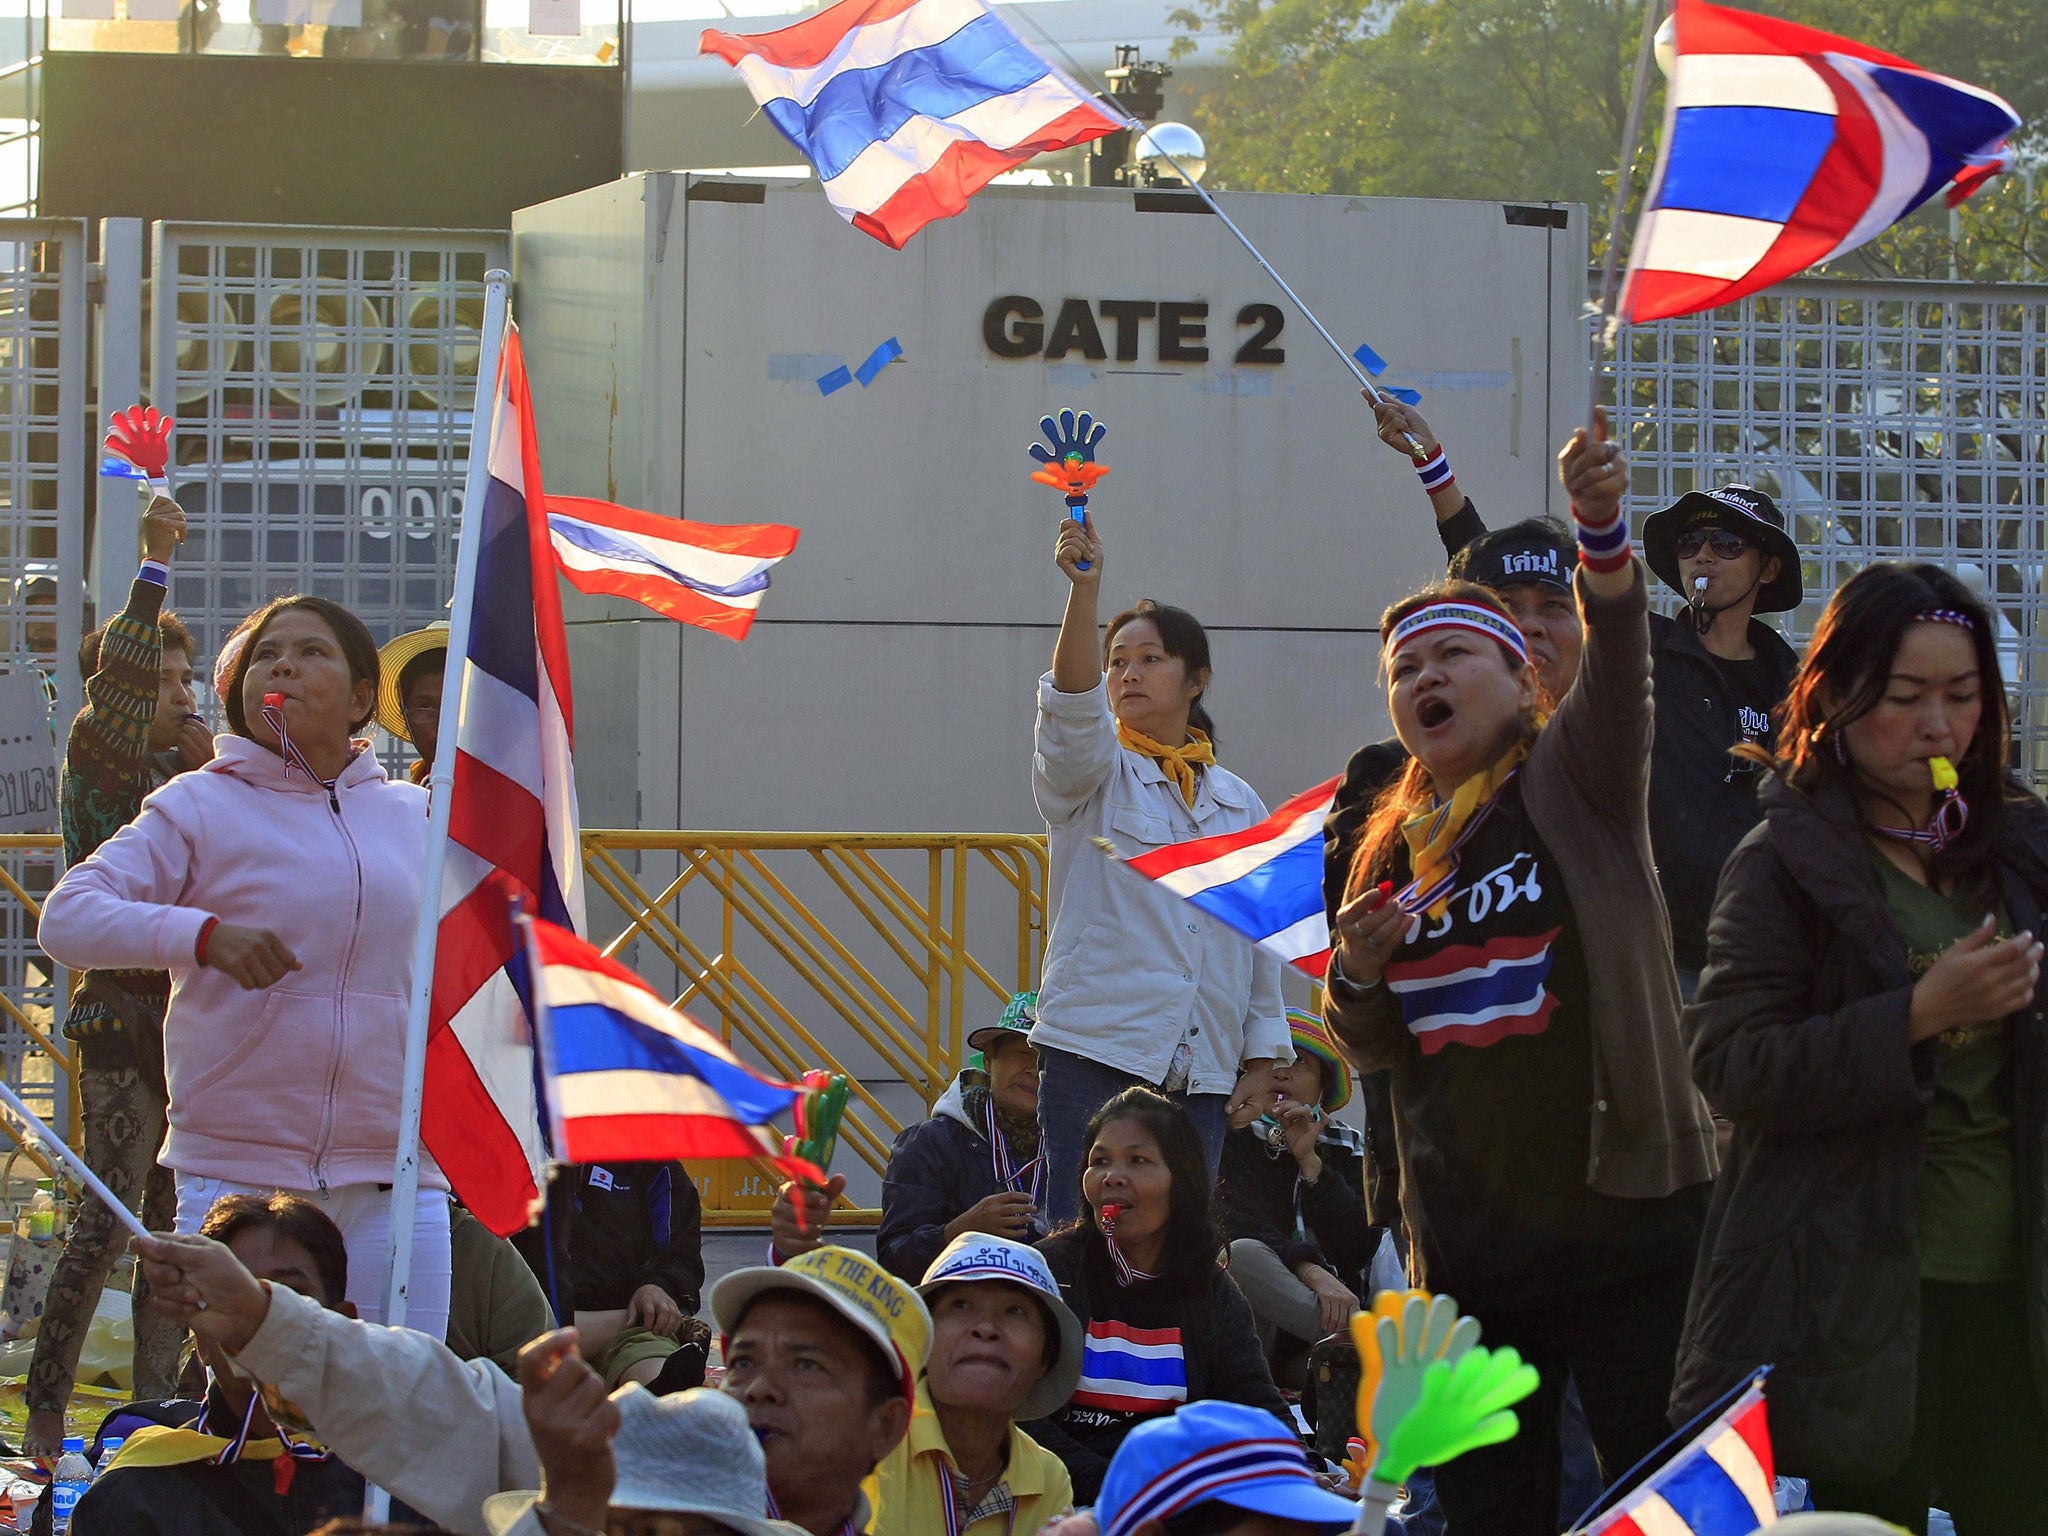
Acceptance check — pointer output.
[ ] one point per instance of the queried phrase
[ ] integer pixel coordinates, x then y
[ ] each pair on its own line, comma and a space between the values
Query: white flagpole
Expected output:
43, 1136
405, 1173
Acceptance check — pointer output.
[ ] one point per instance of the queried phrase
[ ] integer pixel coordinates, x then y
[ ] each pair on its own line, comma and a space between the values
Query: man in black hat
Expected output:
1720, 674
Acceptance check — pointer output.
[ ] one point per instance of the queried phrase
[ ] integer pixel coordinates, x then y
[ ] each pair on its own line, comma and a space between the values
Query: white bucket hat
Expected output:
975, 1257
690, 1453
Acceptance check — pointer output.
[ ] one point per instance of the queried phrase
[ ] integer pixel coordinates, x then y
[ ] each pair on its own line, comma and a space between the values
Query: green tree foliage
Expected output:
1526, 100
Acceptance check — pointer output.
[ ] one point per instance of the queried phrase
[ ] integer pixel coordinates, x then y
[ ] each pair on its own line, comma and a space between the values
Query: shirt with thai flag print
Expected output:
1490, 1101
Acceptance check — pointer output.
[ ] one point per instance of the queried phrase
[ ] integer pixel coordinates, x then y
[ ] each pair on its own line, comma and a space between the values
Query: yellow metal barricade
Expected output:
47, 1058
868, 953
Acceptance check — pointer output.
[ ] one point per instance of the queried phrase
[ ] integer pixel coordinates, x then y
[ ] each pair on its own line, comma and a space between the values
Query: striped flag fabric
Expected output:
1476, 994
512, 831
1265, 881
1131, 1370
907, 108
705, 574
1784, 146
1719, 1485
626, 1076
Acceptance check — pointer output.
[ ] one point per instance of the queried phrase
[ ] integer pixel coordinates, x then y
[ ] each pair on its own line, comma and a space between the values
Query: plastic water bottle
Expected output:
42, 1213
109, 1449
73, 1476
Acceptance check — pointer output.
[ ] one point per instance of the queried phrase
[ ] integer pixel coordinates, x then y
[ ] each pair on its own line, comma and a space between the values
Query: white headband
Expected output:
1467, 616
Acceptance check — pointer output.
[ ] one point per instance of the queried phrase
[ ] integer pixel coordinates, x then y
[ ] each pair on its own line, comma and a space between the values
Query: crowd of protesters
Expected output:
1692, 1007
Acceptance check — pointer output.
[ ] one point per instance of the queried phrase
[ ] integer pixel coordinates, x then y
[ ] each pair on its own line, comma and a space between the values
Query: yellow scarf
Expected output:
1179, 763
1433, 835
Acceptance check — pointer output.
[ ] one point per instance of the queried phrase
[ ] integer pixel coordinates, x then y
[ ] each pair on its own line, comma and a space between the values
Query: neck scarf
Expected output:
1179, 763
1434, 836
1127, 1273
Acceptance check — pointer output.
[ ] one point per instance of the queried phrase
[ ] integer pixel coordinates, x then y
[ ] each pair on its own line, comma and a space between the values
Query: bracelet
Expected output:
199, 944
554, 1520
1343, 984
154, 571
1435, 472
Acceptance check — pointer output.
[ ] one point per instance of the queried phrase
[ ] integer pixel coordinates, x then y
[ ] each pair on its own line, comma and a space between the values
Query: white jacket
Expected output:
1131, 970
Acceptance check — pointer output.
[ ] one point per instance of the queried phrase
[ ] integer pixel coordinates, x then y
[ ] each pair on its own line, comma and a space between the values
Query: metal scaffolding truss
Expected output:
1891, 421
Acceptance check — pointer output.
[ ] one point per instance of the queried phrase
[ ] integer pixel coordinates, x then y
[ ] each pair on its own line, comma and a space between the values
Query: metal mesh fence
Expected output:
322, 381
1890, 421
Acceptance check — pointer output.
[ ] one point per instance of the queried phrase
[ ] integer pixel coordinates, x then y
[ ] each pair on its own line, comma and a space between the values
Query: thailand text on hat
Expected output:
974, 1257
1742, 509
691, 1453
391, 661
885, 1310
1313, 1038
1215, 1453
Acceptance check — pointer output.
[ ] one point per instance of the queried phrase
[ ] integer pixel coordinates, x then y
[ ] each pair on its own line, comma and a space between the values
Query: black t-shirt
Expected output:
1493, 1105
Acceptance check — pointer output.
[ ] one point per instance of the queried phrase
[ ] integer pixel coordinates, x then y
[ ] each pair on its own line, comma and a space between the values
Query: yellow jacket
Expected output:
904, 1491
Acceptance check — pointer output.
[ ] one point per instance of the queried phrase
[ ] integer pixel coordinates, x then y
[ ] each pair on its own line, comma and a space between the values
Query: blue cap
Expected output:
1215, 1453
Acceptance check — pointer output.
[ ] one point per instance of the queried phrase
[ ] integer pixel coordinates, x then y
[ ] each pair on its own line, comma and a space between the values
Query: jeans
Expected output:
1618, 1344
1979, 1435
1070, 1089
123, 1117
363, 1212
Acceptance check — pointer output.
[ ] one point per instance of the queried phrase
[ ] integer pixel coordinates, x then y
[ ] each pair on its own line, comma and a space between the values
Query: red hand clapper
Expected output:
142, 435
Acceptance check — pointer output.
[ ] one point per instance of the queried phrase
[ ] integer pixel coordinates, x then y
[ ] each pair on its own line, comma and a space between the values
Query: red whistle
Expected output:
274, 700
1386, 887
1110, 1213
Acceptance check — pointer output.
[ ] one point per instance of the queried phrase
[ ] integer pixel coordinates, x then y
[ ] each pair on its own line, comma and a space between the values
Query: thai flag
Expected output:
1131, 1370
1476, 994
512, 830
1265, 881
627, 1076
1784, 147
696, 573
907, 108
1719, 1485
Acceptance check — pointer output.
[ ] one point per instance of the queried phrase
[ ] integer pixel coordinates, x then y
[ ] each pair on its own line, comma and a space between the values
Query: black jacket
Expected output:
937, 1169
1702, 800
200, 1499
1257, 1190
1810, 1260
617, 1227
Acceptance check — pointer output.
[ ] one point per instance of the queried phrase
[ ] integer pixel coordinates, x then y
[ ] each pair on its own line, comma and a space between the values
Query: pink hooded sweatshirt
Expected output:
295, 1085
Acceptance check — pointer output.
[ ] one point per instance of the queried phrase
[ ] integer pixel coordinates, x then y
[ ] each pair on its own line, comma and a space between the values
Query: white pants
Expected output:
363, 1212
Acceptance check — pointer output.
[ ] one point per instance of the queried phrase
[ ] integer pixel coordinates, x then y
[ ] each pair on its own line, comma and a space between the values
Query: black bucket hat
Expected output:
1742, 509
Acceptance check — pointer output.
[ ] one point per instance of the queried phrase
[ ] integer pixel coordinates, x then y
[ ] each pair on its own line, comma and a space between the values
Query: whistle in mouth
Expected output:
1944, 773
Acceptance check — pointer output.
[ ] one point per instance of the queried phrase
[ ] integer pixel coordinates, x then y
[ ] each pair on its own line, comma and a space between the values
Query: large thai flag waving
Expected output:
1784, 147
907, 108
512, 830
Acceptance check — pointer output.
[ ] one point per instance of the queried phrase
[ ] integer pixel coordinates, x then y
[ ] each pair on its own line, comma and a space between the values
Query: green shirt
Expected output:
1969, 1211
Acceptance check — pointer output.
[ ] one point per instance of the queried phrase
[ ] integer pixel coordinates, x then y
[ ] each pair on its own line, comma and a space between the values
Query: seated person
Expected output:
1293, 1207
495, 1305
974, 1165
1164, 1480
235, 1468
605, 1460
822, 1353
1163, 1324
1004, 1347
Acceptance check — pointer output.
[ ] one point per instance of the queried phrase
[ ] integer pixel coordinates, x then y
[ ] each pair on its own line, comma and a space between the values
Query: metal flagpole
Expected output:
75, 1165
405, 1173
1639, 92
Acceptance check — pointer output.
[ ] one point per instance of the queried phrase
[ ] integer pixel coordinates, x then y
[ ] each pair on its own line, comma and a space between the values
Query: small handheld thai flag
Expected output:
1719, 1485
628, 1077
907, 108
1784, 146
1265, 881
696, 573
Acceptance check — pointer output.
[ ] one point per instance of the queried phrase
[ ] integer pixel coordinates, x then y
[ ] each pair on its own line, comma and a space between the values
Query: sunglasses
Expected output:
1727, 544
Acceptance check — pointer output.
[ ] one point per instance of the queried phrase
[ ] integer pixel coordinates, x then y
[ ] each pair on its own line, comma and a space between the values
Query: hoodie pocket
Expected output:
372, 1068
266, 1087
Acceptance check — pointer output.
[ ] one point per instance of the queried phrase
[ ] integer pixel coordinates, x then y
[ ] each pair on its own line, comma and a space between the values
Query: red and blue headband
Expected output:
1466, 616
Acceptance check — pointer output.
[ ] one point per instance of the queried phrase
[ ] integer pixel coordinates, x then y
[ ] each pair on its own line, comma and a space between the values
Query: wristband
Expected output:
199, 944
1435, 472
155, 572
1604, 546
553, 1519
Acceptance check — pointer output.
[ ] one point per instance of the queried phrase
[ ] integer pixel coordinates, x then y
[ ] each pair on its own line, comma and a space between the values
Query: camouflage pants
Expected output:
123, 1119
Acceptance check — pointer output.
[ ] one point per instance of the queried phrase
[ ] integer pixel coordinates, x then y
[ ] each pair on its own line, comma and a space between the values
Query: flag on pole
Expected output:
1784, 147
627, 1076
1720, 1484
907, 108
1265, 881
704, 574
512, 829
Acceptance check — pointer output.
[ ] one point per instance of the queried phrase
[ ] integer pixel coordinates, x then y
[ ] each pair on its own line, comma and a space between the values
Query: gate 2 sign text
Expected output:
1015, 326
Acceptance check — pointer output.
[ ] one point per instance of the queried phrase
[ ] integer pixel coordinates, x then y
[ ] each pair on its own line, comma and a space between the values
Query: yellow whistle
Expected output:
1944, 773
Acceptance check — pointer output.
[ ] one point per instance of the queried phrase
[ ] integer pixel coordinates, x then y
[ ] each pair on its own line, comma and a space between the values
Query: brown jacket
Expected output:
1587, 785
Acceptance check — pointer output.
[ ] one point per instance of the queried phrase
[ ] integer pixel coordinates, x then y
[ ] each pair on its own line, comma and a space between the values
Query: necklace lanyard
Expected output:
1008, 1174
273, 716
850, 1528
1944, 827
1127, 1274
950, 1497
231, 1453
1413, 901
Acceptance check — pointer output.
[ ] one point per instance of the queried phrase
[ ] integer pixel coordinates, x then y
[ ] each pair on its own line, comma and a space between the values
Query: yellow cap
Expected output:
1944, 773
851, 1284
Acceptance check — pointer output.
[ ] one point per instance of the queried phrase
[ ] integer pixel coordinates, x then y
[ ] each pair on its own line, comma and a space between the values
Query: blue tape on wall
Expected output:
878, 359
1405, 396
838, 378
1370, 360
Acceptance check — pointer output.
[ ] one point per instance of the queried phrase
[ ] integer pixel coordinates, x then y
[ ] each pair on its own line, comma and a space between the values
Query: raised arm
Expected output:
1076, 658
1457, 520
1076, 738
